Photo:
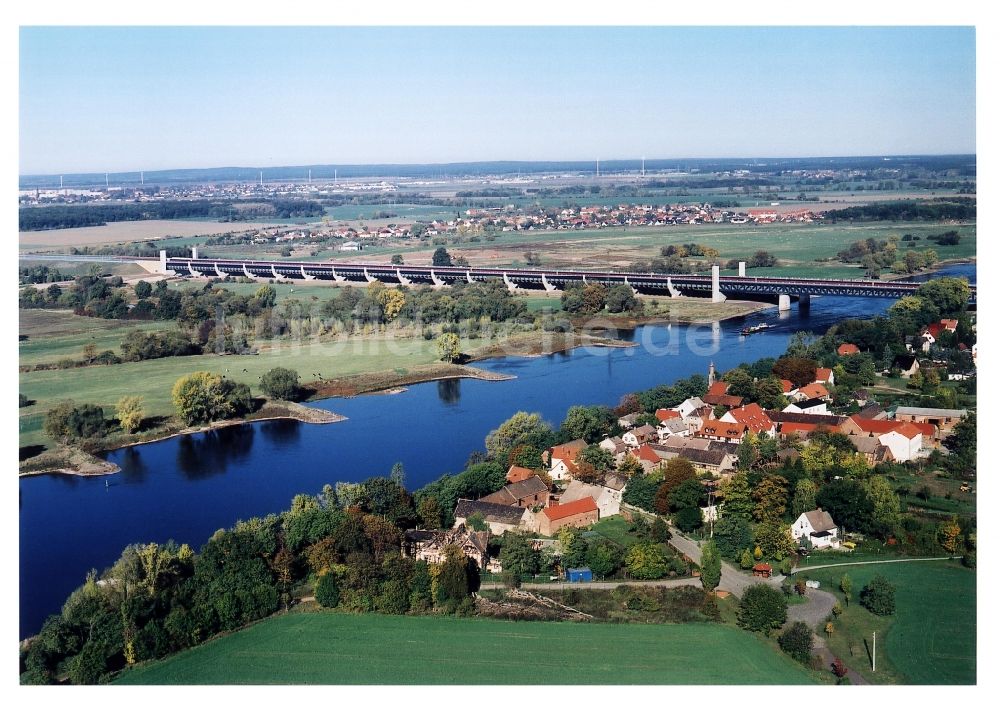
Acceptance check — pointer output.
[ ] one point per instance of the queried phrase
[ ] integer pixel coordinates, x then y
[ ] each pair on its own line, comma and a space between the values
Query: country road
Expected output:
870, 562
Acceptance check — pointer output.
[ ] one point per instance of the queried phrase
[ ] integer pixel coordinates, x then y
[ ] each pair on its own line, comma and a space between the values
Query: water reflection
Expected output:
134, 469
211, 453
282, 433
449, 391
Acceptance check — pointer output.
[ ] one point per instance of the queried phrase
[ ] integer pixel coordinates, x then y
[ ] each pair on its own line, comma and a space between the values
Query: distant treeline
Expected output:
953, 209
61, 216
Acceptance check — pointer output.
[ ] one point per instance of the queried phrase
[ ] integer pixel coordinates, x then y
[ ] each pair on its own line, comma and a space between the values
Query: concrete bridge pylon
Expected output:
717, 295
403, 279
437, 281
307, 277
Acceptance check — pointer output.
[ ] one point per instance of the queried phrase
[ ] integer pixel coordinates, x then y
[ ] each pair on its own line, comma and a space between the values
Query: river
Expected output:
185, 488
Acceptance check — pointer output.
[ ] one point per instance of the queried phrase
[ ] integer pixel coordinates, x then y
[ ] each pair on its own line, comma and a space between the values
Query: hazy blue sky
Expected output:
116, 99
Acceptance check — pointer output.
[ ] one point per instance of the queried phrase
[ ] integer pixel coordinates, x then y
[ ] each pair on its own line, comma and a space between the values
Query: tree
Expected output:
130, 412
885, 504
518, 428
143, 289
949, 295
266, 296
773, 539
327, 593
845, 587
281, 383
448, 347
603, 558
452, 579
429, 511
587, 422
733, 535
645, 561
68, 422
630, 467
601, 459
746, 559
441, 258
796, 641
801, 371
847, 503
687, 495
676, 471
205, 397
804, 498
762, 608
948, 533
396, 259
621, 299
688, 519
711, 566
518, 555
737, 496
879, 596
771, 496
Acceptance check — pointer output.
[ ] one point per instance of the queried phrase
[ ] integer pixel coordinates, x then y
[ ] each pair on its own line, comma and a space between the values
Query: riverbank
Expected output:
394, 381
66, 459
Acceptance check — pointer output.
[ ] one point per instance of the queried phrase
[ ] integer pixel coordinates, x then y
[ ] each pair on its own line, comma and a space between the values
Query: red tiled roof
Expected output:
787, 386
823, 375
516, 474
847, 349
664, 414
724, 400
797, 427
814, 390
717, 428
880, 427
647, 453
908, 430
718, 388
762, 567
753, 417
584, 505
569, 451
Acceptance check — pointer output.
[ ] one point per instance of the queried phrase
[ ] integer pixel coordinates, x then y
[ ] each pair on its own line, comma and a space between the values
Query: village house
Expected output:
904, 439
648, 458
718, 395
874, 451
639, 436
722, 431
430, 546
579, 513
814, 406
527, 493
629, 419
753, 417
562, 459
812, 391
907, 365
673, 428
825, 376
516, 474
689, 406
944, 420
665, 415
498, 517
817, 527
609, 499
787, 387
614, 446
714, 461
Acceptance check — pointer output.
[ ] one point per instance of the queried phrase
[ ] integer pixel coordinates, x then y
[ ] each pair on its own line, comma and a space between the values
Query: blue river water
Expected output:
185, 488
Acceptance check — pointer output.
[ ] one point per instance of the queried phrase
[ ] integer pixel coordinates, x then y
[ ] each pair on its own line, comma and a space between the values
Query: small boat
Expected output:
755, 329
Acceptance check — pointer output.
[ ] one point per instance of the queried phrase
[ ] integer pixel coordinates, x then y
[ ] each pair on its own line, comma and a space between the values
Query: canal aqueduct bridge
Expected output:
717, 287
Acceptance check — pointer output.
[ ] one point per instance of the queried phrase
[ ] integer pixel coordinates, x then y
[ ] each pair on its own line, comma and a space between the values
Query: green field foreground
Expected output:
931, 639
331, 648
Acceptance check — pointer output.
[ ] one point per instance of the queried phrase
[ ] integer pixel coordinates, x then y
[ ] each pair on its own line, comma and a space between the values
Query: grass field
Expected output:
330, 648
931, 639
131, 231
53, 335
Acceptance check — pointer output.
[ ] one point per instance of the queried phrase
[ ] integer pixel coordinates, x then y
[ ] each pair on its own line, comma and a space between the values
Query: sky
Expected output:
94, 99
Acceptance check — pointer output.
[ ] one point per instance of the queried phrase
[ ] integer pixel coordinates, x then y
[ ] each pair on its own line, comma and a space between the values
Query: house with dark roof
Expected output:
813, 406
816, 527
907, 365
430, 546
639, 436
527, 493
498, 517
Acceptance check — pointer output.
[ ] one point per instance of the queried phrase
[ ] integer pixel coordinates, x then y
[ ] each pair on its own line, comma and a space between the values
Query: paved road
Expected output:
813, 612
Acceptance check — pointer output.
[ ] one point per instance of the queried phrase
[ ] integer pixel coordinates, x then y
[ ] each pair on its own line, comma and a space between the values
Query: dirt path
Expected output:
870, 562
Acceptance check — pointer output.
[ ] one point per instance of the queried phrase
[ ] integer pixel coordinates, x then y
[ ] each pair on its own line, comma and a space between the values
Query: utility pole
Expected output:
873, 650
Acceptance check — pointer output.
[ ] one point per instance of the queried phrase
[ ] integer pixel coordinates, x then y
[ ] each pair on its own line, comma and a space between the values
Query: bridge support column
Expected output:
194, 272
742, 269
307, 277
218, 272
402, 279
511, 286
438, 281
549, 287
274, 272
717, 295
674, 291
163, 261
635, 292
337, 277
369, 278
246, 272
784, 303
468, 277
805, 301
194, 253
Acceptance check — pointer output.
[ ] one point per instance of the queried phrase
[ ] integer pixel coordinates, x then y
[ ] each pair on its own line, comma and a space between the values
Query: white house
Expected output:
638, 436
614, 446
818, 528
673, 428
904, 442
808, 407
689, 406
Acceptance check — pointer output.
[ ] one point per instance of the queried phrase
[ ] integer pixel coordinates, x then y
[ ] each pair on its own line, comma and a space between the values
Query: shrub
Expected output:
67, 422
281, 383
762, 608
796, 641
879, 596
327, 593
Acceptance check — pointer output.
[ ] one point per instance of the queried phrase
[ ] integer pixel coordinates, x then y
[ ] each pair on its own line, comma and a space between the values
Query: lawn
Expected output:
931, 639
54, 335
331, 648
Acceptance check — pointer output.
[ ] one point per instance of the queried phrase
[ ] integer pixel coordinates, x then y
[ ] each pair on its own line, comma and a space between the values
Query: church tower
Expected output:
711, 374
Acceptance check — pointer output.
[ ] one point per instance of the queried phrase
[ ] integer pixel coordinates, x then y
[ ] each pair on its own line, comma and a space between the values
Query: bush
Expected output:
70, 423
796, 641
879, 596
281, 383
327, 593
762, 608
205, 397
